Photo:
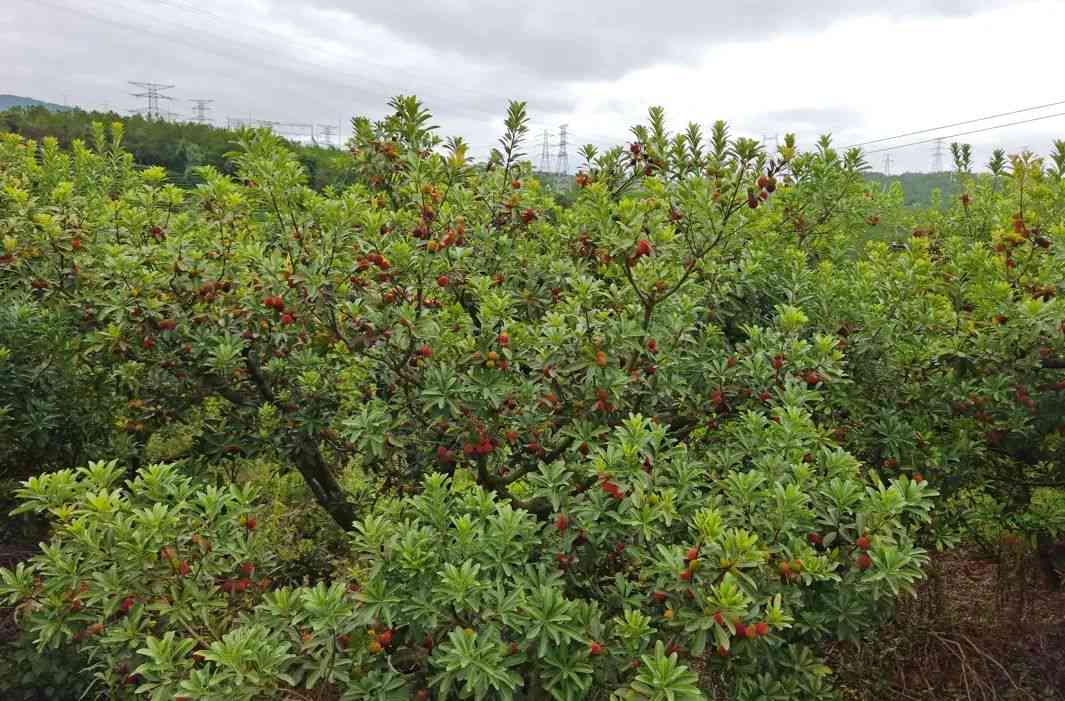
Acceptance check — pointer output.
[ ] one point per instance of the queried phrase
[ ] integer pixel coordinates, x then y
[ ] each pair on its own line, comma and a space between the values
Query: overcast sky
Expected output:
862, 69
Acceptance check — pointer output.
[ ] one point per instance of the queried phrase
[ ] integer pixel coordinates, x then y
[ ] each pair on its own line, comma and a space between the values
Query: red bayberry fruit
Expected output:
443, 281
686, 576
247, 569
422, 694
503, 339
692, 554
562, 523
601, 359
385, 637
864, 562
918, 477
425, 352
250, 523
643, 248
741, 630
814, 538
862, 543
652, 346
659, 596
719, 619
595, 649
287, 319
761, 628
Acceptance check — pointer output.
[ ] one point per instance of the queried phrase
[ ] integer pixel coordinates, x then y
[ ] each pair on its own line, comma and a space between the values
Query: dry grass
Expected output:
978, 631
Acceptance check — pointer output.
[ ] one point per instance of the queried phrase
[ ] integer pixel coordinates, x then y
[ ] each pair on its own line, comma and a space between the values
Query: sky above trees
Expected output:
862, 70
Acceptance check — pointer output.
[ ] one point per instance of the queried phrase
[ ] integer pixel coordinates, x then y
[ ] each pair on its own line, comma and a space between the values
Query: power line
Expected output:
966, 133
957, 124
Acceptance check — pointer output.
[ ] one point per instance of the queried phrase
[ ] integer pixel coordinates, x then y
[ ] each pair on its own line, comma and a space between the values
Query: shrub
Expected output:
691, 415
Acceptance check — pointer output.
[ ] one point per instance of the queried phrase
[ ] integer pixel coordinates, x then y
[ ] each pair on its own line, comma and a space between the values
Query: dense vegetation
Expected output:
437, 436
179, 147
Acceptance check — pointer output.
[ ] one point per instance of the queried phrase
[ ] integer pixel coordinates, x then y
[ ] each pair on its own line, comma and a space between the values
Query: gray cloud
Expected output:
578, 39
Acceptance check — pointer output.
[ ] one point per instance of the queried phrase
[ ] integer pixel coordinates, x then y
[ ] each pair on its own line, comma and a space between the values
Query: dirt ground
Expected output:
976, 632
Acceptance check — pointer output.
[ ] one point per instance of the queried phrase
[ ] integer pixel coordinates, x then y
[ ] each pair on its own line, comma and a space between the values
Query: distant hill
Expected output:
9, 101
917, 187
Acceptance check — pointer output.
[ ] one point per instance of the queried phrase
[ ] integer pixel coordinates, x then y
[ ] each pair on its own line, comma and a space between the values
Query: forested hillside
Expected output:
179, 147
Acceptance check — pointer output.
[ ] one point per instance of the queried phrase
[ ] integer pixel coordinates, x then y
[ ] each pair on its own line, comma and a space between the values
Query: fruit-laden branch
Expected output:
307, 457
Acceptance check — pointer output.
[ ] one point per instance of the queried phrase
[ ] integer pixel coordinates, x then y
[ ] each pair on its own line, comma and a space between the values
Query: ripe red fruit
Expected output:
421, 694
601, 359
528, 216
751, 632
127, 604
814, 538
443, 281
148, 343
247, 569
562, 523
731, 362
167, 325
862, 543
643, 248
864, 562
659, 596
250, 523
762, 628
385, 637
692, 554
287, 319
516, 184
741, 630
595, 649
811, 377
719, 619
503, 339
425, 352
918, 477
686, 576
652, 346
183, 568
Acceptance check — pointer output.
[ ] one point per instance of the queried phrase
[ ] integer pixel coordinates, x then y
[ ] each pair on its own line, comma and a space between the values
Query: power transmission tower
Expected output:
200, 108
152, 93
937, 157
563, 156
545, 154
887, 163
327, 132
